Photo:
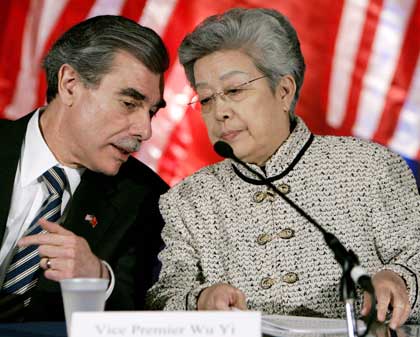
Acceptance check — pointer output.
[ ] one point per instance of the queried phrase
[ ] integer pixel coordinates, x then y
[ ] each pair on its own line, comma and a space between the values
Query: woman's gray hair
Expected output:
263, 34
90, 47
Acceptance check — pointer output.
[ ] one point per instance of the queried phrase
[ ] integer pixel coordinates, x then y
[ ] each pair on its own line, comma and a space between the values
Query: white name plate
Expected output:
166, 324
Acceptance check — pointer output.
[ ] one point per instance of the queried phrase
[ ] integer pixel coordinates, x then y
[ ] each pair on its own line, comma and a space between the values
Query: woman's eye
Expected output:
233, 91
205, 101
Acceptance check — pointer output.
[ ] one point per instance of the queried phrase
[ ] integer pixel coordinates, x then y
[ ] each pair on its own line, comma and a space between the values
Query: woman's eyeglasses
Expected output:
235, 94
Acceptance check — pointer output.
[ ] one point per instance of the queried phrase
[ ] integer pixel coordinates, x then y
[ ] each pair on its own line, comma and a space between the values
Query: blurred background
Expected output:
362, 79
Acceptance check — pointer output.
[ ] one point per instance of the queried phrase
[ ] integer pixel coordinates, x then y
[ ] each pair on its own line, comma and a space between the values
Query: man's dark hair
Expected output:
90, 46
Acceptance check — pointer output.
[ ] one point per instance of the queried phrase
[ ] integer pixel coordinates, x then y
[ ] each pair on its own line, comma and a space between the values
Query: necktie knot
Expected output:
56, 180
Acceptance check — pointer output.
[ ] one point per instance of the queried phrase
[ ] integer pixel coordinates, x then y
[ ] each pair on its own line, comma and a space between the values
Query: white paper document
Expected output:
276, 325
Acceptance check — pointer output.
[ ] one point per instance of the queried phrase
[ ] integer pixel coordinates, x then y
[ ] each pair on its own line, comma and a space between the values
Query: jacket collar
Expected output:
11, 135
285, 156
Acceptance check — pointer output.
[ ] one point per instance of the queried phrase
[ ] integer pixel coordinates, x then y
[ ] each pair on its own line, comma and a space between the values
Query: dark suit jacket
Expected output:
127, 234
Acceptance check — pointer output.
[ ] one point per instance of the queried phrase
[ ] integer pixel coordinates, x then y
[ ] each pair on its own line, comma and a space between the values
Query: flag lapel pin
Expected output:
92, 220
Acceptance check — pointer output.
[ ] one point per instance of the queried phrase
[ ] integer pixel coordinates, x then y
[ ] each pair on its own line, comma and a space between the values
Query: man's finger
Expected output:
53, 227
43, 263
61, 269
53, 251
43, 239
54, 275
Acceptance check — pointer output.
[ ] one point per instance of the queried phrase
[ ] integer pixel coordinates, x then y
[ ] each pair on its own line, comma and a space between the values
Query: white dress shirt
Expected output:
29, 190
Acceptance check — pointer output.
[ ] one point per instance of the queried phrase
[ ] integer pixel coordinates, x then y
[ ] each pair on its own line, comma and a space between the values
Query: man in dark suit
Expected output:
73, 203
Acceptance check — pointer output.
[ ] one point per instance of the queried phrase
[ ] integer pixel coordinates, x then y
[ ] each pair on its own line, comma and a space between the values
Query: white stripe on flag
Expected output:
156, 14
177, 94
51, 12
347, 44
102, 7
406, 139
382, 64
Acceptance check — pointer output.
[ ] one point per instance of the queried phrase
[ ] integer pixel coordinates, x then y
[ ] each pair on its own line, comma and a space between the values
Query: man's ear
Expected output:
68, 80
285, 91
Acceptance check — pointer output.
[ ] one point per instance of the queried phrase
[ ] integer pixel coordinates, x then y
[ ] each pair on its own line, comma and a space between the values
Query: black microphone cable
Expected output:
346, 259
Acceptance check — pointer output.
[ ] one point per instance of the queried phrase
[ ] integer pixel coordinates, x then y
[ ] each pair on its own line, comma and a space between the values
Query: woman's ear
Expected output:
285, 91
68, 79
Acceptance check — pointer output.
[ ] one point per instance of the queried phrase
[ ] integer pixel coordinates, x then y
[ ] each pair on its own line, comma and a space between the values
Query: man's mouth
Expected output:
123, 151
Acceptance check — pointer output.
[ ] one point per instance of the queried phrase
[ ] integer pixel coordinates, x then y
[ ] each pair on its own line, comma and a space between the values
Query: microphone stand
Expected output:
347, 259
348, 295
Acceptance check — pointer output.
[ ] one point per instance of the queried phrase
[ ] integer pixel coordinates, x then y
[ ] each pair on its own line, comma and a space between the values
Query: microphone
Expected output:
347, 259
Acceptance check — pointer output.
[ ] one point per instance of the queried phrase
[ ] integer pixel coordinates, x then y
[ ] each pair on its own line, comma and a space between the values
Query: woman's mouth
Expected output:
230, 135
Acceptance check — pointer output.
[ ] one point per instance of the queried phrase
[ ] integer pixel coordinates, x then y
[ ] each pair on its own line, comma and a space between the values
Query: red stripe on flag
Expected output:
197, 152
185, 16
133, 9
189, 149
4, 16
11, 49
361, 63
319, 54
74, 12
403, 77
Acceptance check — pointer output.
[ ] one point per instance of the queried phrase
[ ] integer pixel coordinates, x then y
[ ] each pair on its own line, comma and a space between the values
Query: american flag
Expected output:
363, 69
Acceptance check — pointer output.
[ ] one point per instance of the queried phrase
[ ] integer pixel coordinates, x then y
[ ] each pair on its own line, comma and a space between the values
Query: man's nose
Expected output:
142, 126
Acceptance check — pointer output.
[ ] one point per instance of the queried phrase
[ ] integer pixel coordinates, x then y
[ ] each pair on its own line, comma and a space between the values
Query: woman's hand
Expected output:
221, 296
390, 289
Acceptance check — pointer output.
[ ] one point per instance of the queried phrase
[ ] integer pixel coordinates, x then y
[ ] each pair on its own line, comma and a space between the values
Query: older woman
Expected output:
230, 241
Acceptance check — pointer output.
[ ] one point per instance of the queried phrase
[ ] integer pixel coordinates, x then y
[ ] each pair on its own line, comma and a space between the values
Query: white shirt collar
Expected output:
36, 157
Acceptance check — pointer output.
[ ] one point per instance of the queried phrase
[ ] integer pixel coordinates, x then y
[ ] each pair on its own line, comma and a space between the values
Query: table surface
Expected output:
33, 329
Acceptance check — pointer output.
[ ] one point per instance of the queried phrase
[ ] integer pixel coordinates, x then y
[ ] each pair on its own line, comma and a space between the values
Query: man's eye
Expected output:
153, 112
129, 105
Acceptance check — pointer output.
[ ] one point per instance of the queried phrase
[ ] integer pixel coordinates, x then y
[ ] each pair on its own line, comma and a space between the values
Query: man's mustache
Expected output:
128, 144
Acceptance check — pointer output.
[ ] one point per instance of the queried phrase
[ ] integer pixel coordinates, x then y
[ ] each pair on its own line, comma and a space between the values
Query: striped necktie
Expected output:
22, 273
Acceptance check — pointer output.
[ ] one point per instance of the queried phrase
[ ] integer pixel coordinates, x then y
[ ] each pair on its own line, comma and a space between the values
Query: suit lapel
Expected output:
11, 137
111, 200
91, 198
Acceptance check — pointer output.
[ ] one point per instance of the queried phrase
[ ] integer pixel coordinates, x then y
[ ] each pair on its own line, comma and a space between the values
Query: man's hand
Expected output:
64, 254
221, 296
390, 289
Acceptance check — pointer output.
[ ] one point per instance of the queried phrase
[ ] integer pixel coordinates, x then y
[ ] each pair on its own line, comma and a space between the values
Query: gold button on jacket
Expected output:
262, 239
259, 196
267, 283
290, 278
287, 233
284, 188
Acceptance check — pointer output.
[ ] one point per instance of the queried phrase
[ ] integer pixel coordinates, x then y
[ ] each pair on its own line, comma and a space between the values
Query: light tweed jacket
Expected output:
220, 228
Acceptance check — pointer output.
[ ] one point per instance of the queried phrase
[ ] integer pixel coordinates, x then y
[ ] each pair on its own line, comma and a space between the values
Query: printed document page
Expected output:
275, 325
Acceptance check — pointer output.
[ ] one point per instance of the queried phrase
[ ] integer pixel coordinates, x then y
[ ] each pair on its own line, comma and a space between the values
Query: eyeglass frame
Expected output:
223, 92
